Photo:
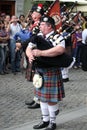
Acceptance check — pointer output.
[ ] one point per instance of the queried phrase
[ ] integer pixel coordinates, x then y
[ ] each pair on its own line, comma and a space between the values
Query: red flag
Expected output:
54, 12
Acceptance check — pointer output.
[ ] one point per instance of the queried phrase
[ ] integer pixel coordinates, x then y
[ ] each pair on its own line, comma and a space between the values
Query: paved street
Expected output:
14, 114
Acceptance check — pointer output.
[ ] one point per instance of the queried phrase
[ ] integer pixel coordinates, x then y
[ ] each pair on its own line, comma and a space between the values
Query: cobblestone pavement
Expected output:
14, 90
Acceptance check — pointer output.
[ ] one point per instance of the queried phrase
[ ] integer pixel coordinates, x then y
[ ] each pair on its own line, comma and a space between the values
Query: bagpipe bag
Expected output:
63, 60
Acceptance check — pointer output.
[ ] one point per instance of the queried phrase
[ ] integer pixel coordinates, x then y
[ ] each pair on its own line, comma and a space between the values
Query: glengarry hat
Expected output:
39, 9
48, 19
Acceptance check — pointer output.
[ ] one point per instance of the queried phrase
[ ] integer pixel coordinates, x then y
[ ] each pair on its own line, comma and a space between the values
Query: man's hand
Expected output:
36, 52
18, 46
30, 55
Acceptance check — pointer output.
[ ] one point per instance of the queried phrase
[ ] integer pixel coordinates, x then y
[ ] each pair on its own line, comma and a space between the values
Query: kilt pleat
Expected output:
53, 88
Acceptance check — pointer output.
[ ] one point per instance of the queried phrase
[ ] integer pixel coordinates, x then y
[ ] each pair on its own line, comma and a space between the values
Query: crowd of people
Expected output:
14, 29
24, 35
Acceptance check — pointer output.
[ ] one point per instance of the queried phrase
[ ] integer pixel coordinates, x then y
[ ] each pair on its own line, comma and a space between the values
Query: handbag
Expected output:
37, 80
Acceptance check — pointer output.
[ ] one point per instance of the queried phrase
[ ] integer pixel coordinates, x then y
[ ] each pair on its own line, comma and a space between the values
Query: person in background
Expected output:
37, 12
4, 37
68, 46
7, 24
14, 27
20, 38
3, 15
84, 49
24, 34
22, 20
52, 89
77, 40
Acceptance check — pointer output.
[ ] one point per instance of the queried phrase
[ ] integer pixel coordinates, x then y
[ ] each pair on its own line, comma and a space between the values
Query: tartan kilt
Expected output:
53, 88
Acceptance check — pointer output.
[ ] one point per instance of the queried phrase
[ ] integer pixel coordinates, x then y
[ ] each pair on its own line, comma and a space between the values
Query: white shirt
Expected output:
84, 35
55, 42
14, 29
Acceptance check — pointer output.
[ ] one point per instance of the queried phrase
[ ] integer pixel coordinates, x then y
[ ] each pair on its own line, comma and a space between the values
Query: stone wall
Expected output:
22, 6
19, 7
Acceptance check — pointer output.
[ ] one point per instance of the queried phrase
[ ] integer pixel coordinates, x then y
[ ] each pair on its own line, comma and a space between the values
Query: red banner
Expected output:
54, 12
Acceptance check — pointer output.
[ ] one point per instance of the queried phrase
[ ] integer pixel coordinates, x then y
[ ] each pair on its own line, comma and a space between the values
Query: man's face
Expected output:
44, 28
36, 16
14, 19
7, 18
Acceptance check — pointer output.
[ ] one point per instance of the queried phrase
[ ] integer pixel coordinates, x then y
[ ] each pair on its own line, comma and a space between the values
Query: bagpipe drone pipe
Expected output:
63, 60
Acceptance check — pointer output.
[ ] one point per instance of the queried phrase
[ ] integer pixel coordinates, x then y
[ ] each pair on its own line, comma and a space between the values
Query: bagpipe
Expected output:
63, 60
70, 22
71, 8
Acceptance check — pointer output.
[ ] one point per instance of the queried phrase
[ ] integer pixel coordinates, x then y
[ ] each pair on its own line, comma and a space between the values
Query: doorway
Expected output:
7, 7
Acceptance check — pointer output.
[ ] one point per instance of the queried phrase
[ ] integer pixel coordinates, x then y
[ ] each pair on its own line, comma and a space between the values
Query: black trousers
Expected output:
84, 57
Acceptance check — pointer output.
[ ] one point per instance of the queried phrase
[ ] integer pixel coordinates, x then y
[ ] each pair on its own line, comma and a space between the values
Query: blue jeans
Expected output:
76, 54
15, 56
2, 58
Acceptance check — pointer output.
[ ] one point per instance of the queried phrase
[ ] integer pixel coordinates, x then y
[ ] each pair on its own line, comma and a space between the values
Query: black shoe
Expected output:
18, 71
66, 80
14, 73
51, 126
34, 106
29, 103
41, 125
2, 73
6, 72
57, 112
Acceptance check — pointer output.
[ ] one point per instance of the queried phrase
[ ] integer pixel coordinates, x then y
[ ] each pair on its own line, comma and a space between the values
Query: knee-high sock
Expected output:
65, 72
36, 100
52, 112
44, 110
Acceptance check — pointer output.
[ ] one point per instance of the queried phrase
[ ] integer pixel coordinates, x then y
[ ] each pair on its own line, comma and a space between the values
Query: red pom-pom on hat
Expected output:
40, 5
39, 8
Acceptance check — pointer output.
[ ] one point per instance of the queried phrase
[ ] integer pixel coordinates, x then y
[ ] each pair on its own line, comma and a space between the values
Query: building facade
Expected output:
15, 7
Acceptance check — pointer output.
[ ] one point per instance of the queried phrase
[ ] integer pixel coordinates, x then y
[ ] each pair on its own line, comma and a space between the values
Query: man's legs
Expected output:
1, 60
49, 112
45, 116
13, 53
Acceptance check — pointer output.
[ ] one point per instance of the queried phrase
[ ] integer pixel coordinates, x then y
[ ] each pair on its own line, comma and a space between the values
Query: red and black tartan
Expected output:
53, 88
